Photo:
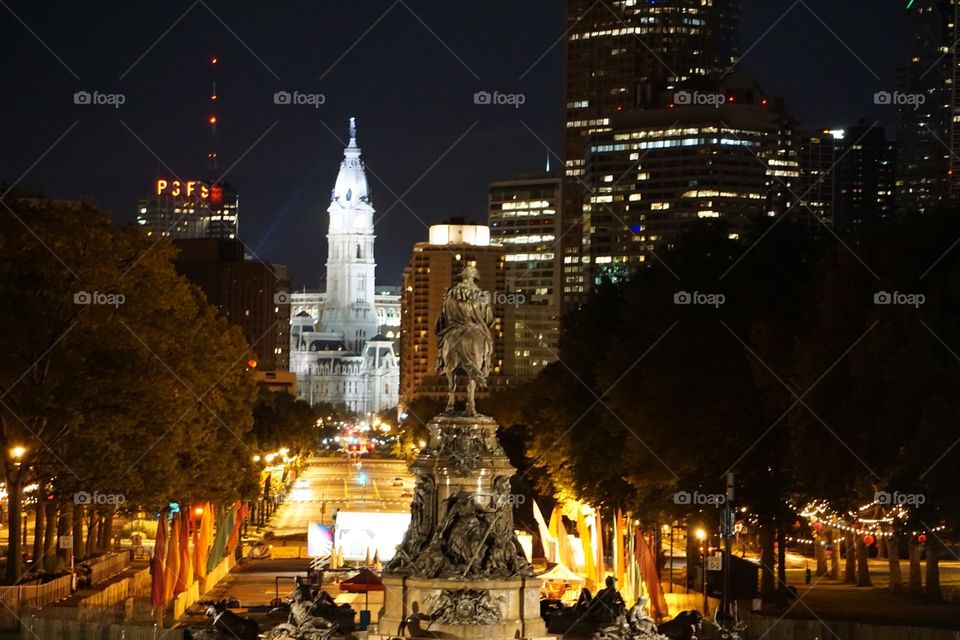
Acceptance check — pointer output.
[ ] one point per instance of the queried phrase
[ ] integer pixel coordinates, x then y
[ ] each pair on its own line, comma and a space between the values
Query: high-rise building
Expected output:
523, 218
619, 55
248, 292
339, 356
865, 178
818, 153
190, 210
661, 169
927, 107
434, 266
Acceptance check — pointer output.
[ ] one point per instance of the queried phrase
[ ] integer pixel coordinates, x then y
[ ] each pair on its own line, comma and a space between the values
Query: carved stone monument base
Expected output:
515, 612
460, 571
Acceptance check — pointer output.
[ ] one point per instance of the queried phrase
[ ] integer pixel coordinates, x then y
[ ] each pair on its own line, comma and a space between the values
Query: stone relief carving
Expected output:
421, 524
466, 445
471, 541
464, 606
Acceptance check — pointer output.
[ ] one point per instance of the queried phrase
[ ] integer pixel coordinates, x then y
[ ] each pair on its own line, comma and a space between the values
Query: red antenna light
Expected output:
213, 60
213, 119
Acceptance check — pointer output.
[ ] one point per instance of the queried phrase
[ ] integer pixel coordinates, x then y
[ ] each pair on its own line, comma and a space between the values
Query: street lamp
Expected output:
668, 529
17, 452
702, 536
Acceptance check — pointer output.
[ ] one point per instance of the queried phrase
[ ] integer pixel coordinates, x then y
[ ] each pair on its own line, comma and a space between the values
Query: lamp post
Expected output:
668, 529
702, 537
15, 492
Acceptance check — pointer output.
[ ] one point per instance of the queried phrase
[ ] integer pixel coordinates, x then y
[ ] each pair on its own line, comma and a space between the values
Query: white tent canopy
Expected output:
560, 573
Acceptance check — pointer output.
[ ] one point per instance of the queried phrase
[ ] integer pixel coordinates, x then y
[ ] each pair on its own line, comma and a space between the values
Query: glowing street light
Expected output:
17, 452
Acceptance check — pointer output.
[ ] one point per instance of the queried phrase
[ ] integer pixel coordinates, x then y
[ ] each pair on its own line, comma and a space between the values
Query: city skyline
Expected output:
438, 150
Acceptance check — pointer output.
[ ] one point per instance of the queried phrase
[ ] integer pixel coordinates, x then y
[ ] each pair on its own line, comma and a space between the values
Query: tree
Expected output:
110, 355
281, 420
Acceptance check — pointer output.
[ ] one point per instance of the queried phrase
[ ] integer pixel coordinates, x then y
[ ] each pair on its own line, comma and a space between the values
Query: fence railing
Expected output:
15, 599
108, 566
45, 628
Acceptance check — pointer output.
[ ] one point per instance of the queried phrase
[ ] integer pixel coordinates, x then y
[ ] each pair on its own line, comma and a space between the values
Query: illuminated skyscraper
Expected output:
523, 219
818, 154
659, 170
865, 178
190, 210
434, 266
927, 107
619, 55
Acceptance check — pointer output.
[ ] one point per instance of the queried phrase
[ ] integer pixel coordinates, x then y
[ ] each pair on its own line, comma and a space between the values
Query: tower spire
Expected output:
353, 132
212, 120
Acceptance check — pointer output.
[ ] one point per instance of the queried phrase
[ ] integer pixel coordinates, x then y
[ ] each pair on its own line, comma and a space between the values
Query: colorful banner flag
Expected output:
157, 586
589, 568
548, 541
240, 514
185, 573
559, 531
172, 568
618, 555
202, 537
224, 526
600, 561
648, 570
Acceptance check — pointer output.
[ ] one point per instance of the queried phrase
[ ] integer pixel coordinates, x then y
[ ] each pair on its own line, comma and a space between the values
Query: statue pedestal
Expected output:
466, 607
460, 571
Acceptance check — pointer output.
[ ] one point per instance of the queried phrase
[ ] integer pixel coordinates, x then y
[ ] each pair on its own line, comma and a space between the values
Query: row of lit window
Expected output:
684, 131
595, 122
684, 142
527, 239
522, 257
524, 204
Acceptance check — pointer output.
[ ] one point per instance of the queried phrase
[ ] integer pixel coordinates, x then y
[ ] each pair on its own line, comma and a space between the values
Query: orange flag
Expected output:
157, 587
559, 531
648, 570
618, 555
240, 514
201, 542
172, 569
185, 574
601, 568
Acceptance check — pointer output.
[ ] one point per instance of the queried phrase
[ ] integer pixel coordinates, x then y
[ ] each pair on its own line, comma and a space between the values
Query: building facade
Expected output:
660, 170
927, 107
523, 215
434, 266
248, 292
190, 210
865, 178
339, 355
386, 304
819, 151
619, 56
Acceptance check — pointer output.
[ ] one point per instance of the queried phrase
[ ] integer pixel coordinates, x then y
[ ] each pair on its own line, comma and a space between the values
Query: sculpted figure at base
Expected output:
465, 337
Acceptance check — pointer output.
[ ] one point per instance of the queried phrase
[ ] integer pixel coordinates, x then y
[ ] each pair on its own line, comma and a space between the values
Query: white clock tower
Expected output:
349, 308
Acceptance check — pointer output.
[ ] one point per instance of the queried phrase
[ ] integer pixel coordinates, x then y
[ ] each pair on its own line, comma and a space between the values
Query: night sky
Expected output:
422, 136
